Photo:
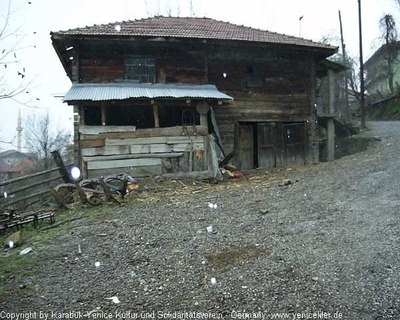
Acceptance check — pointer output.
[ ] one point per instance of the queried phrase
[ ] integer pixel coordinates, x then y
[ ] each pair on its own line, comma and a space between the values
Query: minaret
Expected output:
19, 131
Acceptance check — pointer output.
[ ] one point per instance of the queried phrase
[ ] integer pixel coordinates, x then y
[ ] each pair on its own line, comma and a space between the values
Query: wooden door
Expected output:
266, 142
294, 136
246, 156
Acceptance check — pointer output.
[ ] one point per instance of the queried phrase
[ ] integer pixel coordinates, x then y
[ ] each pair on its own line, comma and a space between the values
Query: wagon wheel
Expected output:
94, 200
67, 192
116, 185
90, 185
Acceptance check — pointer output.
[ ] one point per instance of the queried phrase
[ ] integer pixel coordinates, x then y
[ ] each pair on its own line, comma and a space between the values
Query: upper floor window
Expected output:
253, 78
141, 70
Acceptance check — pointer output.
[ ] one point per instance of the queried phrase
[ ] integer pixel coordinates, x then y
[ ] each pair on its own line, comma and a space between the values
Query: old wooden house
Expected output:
172, 95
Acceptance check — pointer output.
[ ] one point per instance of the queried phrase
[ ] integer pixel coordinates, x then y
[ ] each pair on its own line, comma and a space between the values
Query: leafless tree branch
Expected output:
40, 141
11, 43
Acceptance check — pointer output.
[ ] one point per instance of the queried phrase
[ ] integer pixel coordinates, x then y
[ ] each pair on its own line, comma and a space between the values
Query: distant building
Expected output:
14, 164
377, 72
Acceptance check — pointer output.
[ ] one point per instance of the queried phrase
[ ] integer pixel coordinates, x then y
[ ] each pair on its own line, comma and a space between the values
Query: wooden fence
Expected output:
34, 189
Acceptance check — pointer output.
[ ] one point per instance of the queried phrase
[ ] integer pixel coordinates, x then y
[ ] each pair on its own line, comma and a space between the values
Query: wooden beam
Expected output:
156, 116
330, 133
185, 175
60, 164
146, 171
213, 166
331, 90
203, 120
135, 156
144, 133
104, 114
104, 151
107, 192
4, 183
81, 114
123, 163
95, 130
154, 140
92, 143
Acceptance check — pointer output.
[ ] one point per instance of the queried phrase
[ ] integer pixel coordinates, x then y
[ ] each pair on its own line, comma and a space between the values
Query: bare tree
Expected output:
171, 8
387, 25
13, 78
40, 141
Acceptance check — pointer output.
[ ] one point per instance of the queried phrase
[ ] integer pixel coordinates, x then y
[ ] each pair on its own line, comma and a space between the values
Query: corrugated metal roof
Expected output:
184, 27
126, 90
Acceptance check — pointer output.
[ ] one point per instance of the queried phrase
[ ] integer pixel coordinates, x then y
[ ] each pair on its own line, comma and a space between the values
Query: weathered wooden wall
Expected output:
268, 85
142, 152
281, 96
108, 68
101, 68
29, 190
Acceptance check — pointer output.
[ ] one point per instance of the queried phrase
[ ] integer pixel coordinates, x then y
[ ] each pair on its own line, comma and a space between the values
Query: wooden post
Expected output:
103, 115
156, 116
58, 199
313, 156
82, 195
60, 164
80, 110
330, 128
331, 112
107, 193
203, 120
75, 67
79, 120
213, 165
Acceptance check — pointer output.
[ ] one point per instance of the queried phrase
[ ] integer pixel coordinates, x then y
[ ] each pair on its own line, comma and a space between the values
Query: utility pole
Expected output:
362, 98
346, 115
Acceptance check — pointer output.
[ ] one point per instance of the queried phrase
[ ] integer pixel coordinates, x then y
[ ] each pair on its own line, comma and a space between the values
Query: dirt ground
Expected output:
316, 242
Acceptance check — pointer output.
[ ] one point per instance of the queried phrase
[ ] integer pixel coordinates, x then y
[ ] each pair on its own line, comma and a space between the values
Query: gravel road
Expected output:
316, 242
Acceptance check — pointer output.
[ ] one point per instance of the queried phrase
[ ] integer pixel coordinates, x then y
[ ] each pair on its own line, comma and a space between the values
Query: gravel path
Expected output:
322, 244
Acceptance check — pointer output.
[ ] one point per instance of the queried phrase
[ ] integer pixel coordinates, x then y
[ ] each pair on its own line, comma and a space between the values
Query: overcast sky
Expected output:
37, 18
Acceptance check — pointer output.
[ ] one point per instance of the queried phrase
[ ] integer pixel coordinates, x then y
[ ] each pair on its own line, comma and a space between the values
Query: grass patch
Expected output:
14, 268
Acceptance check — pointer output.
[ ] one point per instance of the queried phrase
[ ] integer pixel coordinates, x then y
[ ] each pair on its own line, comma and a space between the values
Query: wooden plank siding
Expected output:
141, 152
268, 84
101, 68
282, 93
262, 111
123, 163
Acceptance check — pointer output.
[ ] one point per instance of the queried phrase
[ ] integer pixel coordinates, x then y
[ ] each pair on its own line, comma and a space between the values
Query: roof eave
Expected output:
151, 100
63, 36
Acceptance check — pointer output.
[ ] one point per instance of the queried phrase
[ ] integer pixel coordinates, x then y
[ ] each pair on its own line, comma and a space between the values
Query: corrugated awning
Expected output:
128, 90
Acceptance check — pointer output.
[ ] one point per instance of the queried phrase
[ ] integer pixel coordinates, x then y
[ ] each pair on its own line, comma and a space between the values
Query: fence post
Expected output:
61, 167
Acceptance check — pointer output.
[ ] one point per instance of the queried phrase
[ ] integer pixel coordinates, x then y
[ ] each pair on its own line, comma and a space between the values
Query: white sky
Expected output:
38, 19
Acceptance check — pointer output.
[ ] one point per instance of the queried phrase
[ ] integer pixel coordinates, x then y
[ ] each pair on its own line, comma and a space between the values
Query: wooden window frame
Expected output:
140, 69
